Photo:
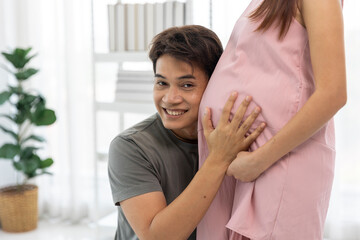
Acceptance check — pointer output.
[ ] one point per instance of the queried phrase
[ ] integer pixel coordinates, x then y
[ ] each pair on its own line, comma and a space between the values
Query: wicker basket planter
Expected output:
19, 208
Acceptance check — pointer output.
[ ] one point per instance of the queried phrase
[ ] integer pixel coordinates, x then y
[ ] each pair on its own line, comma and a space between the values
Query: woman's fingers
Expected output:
244, 128
207, 123
252, 137
224, 119
240, 112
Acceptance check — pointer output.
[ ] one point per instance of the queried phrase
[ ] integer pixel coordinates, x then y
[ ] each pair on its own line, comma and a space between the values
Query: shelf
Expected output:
131, 107
122, 57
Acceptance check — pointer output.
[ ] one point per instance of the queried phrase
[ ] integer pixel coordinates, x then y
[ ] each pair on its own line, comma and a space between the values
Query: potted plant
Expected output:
18, 203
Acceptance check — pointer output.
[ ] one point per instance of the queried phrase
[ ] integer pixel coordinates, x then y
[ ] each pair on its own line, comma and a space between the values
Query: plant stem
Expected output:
23, 130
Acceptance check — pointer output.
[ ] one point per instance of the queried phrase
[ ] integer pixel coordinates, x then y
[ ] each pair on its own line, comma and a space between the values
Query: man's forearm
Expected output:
179, 219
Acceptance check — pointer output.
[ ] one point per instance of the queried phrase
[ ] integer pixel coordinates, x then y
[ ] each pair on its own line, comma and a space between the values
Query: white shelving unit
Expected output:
120, 107
125, 106
121, 57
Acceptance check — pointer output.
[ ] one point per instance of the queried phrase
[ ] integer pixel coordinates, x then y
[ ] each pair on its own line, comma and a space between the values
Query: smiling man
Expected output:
177, 94
153, 166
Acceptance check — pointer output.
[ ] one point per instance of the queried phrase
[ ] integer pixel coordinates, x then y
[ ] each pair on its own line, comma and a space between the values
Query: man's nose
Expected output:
172, 96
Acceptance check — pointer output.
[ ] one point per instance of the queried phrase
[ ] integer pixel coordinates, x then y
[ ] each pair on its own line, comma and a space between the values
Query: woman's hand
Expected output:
245, 167
229, 137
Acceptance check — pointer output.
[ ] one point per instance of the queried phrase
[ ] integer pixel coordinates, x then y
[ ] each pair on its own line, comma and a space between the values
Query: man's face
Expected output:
177, 92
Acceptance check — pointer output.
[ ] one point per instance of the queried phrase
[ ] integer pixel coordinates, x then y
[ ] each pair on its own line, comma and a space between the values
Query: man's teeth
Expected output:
174, 113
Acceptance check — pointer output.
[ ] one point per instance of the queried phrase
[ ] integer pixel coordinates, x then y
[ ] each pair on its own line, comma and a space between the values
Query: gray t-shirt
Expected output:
148, 158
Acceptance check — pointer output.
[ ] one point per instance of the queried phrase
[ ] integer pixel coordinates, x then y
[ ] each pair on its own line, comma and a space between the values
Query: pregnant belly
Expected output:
279, 102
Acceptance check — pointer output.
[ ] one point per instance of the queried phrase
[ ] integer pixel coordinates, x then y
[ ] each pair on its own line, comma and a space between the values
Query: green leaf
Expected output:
18, 57
27, 167
11, 133
22, 104
29, 99
31, 175
8, 117
35, 174
13, 59
44, 117
27, 153
18, 166
40, 104
25, 106
39, 109
16, 90
34, 137
9, 151
23, 75
4, 96
12, 118
46, 163
23, 51
32, 164
21, 116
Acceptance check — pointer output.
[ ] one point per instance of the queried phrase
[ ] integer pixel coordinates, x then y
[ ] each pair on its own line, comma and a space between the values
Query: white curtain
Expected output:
60, 32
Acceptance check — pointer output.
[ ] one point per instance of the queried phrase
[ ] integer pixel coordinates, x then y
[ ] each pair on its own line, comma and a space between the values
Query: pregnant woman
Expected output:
288, 55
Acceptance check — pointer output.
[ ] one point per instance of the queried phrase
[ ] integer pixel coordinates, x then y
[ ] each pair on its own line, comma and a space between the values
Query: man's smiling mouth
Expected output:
175, 112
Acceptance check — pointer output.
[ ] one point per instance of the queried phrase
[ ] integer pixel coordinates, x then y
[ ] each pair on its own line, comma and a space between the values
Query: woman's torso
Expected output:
277, 73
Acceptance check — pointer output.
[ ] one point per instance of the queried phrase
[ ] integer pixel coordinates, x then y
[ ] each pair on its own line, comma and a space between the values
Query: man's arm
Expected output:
148, 214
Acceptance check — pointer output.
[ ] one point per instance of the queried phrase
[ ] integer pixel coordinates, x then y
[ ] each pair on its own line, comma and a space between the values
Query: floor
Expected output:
62, 231
104, 230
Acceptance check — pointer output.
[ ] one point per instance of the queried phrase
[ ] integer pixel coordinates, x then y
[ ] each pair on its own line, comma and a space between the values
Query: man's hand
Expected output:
229, 137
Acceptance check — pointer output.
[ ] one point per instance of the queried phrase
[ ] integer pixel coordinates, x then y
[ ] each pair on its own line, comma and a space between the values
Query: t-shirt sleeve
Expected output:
130, 172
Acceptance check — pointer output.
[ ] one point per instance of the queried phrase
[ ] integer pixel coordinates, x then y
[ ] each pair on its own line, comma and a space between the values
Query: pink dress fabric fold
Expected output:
290, 199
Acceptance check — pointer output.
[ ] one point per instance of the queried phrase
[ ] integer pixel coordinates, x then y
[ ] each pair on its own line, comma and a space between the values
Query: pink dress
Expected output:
289, 201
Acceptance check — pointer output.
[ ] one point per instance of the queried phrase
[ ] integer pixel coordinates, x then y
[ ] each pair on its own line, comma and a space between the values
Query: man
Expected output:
153, 165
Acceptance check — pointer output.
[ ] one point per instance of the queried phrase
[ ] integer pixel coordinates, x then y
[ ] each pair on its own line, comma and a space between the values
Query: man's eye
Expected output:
161, 83
188, 85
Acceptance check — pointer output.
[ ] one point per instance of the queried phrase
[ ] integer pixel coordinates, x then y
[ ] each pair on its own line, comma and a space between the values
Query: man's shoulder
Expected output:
148, 135
148, 126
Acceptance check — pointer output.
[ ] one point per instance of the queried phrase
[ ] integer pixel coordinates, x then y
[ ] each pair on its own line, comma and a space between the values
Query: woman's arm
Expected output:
324, 24
149, 215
